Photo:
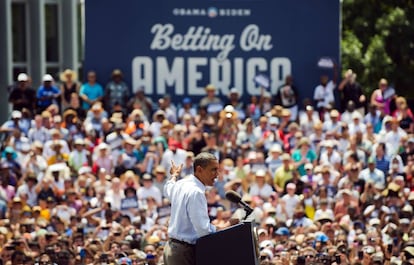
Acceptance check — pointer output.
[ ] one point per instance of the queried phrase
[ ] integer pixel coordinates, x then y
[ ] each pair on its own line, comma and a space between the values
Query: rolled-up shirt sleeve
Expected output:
168, 188
197, 210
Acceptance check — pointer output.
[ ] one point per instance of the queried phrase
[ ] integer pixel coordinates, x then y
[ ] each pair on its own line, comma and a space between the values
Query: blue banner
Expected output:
180, 46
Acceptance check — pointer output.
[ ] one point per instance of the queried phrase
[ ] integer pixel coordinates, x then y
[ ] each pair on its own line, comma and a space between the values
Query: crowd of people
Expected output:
83, 171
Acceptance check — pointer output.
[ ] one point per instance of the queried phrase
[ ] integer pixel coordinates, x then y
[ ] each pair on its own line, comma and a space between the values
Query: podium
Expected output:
234, 245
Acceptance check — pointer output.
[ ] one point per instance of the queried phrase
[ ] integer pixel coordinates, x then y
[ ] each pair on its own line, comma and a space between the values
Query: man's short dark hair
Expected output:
126, 217
203, 159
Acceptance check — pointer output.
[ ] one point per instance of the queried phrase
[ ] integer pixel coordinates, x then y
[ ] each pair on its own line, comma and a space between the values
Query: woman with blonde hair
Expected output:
379, 98
402, 107
69, 85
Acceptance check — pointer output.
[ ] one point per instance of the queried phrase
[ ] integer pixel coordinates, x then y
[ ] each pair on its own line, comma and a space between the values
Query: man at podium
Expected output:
189, 216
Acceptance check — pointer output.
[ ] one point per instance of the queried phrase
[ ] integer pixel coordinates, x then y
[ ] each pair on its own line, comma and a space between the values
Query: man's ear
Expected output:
196, 169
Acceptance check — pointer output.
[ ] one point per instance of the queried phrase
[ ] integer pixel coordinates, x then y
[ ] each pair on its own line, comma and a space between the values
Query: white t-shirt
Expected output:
335, 158
393, 138
178, 157
290, 204
115, 198
324, 94
264, 192
320, 212
64, 212
152, 191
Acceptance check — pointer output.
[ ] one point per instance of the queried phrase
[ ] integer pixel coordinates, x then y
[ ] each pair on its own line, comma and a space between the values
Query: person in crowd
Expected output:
47, 93
238, 105
308, 120
129, 157
260, 188
140, 101
91, 91
291, 199
394, 136
186, 108
94, 117
287, 97
406, 120
79, 156
227, 125
356, 125
273, 159
22, 95
210, 98
68, 87
374, 118
371, 174
380, 98
303, 154
324, 94
58, 125
15, 123
116, 92
333, 124
401, 104
283, 173
352, 91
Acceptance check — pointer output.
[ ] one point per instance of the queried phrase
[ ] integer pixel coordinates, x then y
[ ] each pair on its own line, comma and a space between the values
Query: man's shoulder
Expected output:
285, 197
110, 85
154, 189
41, 88
190, 185
331, 84
318, 87
279, 169
22, 188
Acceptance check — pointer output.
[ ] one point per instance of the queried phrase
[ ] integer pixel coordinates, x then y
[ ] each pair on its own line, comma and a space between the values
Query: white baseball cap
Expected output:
22, 77
47, 78
16, 114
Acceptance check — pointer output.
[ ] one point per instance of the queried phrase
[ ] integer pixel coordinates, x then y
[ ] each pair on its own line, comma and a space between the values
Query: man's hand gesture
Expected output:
175, 170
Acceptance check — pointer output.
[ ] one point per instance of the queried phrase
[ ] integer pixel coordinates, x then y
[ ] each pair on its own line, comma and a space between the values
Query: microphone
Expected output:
235, 197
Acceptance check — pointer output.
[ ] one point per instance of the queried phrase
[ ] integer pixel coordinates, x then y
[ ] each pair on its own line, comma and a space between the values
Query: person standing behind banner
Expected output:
91, 92
116, 92
324, 94
351, 90
68, 87
210, 98
22, 95
380, 98
47, 93
287, 97
189, 215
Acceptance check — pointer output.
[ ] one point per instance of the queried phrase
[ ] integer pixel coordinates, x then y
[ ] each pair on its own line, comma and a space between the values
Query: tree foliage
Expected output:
378, 42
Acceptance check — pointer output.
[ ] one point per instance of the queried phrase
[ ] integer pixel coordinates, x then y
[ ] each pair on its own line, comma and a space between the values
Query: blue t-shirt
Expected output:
46, 91
92, 92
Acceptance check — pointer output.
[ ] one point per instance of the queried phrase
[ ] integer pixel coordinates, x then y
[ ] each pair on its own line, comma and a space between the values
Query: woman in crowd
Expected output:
68, 87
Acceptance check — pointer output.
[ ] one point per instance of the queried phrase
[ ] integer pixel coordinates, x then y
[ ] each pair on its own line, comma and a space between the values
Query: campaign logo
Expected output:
212, 12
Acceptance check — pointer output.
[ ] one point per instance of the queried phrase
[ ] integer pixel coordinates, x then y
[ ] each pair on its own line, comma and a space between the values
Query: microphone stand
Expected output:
248, 211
